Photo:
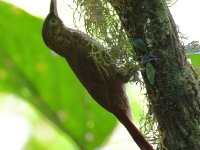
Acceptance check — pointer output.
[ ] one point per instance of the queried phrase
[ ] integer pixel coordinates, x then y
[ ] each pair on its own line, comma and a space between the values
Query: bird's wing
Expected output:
90, 75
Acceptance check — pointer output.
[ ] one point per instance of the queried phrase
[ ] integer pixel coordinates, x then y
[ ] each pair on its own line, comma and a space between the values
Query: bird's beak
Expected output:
53, 7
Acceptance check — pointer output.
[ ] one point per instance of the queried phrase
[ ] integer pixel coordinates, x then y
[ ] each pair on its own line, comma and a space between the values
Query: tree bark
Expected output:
174, 97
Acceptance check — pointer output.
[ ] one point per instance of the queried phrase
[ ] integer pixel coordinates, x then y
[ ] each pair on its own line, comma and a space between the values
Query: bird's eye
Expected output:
53, 20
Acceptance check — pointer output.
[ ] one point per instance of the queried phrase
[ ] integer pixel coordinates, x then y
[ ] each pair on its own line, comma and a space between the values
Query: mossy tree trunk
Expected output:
175, 94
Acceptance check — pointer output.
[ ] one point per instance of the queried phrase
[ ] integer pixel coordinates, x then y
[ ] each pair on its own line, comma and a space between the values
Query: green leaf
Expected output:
139, 43
150, 71
30, 70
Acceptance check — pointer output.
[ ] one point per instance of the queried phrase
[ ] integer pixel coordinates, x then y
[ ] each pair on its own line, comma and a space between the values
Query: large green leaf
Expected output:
29, 69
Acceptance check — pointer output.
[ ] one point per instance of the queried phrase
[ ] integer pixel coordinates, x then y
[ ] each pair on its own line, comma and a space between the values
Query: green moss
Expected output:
103, 24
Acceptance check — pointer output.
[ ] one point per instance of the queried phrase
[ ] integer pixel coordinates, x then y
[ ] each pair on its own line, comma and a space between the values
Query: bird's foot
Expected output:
149, 57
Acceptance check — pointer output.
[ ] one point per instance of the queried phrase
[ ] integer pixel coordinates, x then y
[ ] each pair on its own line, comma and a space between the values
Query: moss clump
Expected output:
102, 23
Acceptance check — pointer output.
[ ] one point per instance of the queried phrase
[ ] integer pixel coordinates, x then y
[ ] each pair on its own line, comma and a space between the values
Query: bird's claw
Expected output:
148, 57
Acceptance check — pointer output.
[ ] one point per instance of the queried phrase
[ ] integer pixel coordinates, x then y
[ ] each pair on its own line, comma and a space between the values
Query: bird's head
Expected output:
52, 27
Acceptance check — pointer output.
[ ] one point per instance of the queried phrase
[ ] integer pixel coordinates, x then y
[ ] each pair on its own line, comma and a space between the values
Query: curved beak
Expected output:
53, 7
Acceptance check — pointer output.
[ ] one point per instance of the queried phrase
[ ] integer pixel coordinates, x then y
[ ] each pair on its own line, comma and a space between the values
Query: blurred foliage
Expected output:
193, 52
195, 59
28, 69
193, 48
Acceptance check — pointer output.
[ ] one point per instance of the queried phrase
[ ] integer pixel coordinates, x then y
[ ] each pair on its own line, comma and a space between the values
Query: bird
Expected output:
103, 82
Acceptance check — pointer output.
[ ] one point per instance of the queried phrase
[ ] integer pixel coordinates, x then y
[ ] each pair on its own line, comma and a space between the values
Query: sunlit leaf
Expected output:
29, 69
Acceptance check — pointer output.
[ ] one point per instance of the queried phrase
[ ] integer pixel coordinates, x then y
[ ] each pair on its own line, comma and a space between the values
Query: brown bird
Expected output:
104, 83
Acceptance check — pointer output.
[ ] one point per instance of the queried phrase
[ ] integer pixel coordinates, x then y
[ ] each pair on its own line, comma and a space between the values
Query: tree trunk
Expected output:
174, 96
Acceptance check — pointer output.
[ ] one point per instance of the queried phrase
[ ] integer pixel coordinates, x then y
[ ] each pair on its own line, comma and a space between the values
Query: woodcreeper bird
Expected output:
103, 83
